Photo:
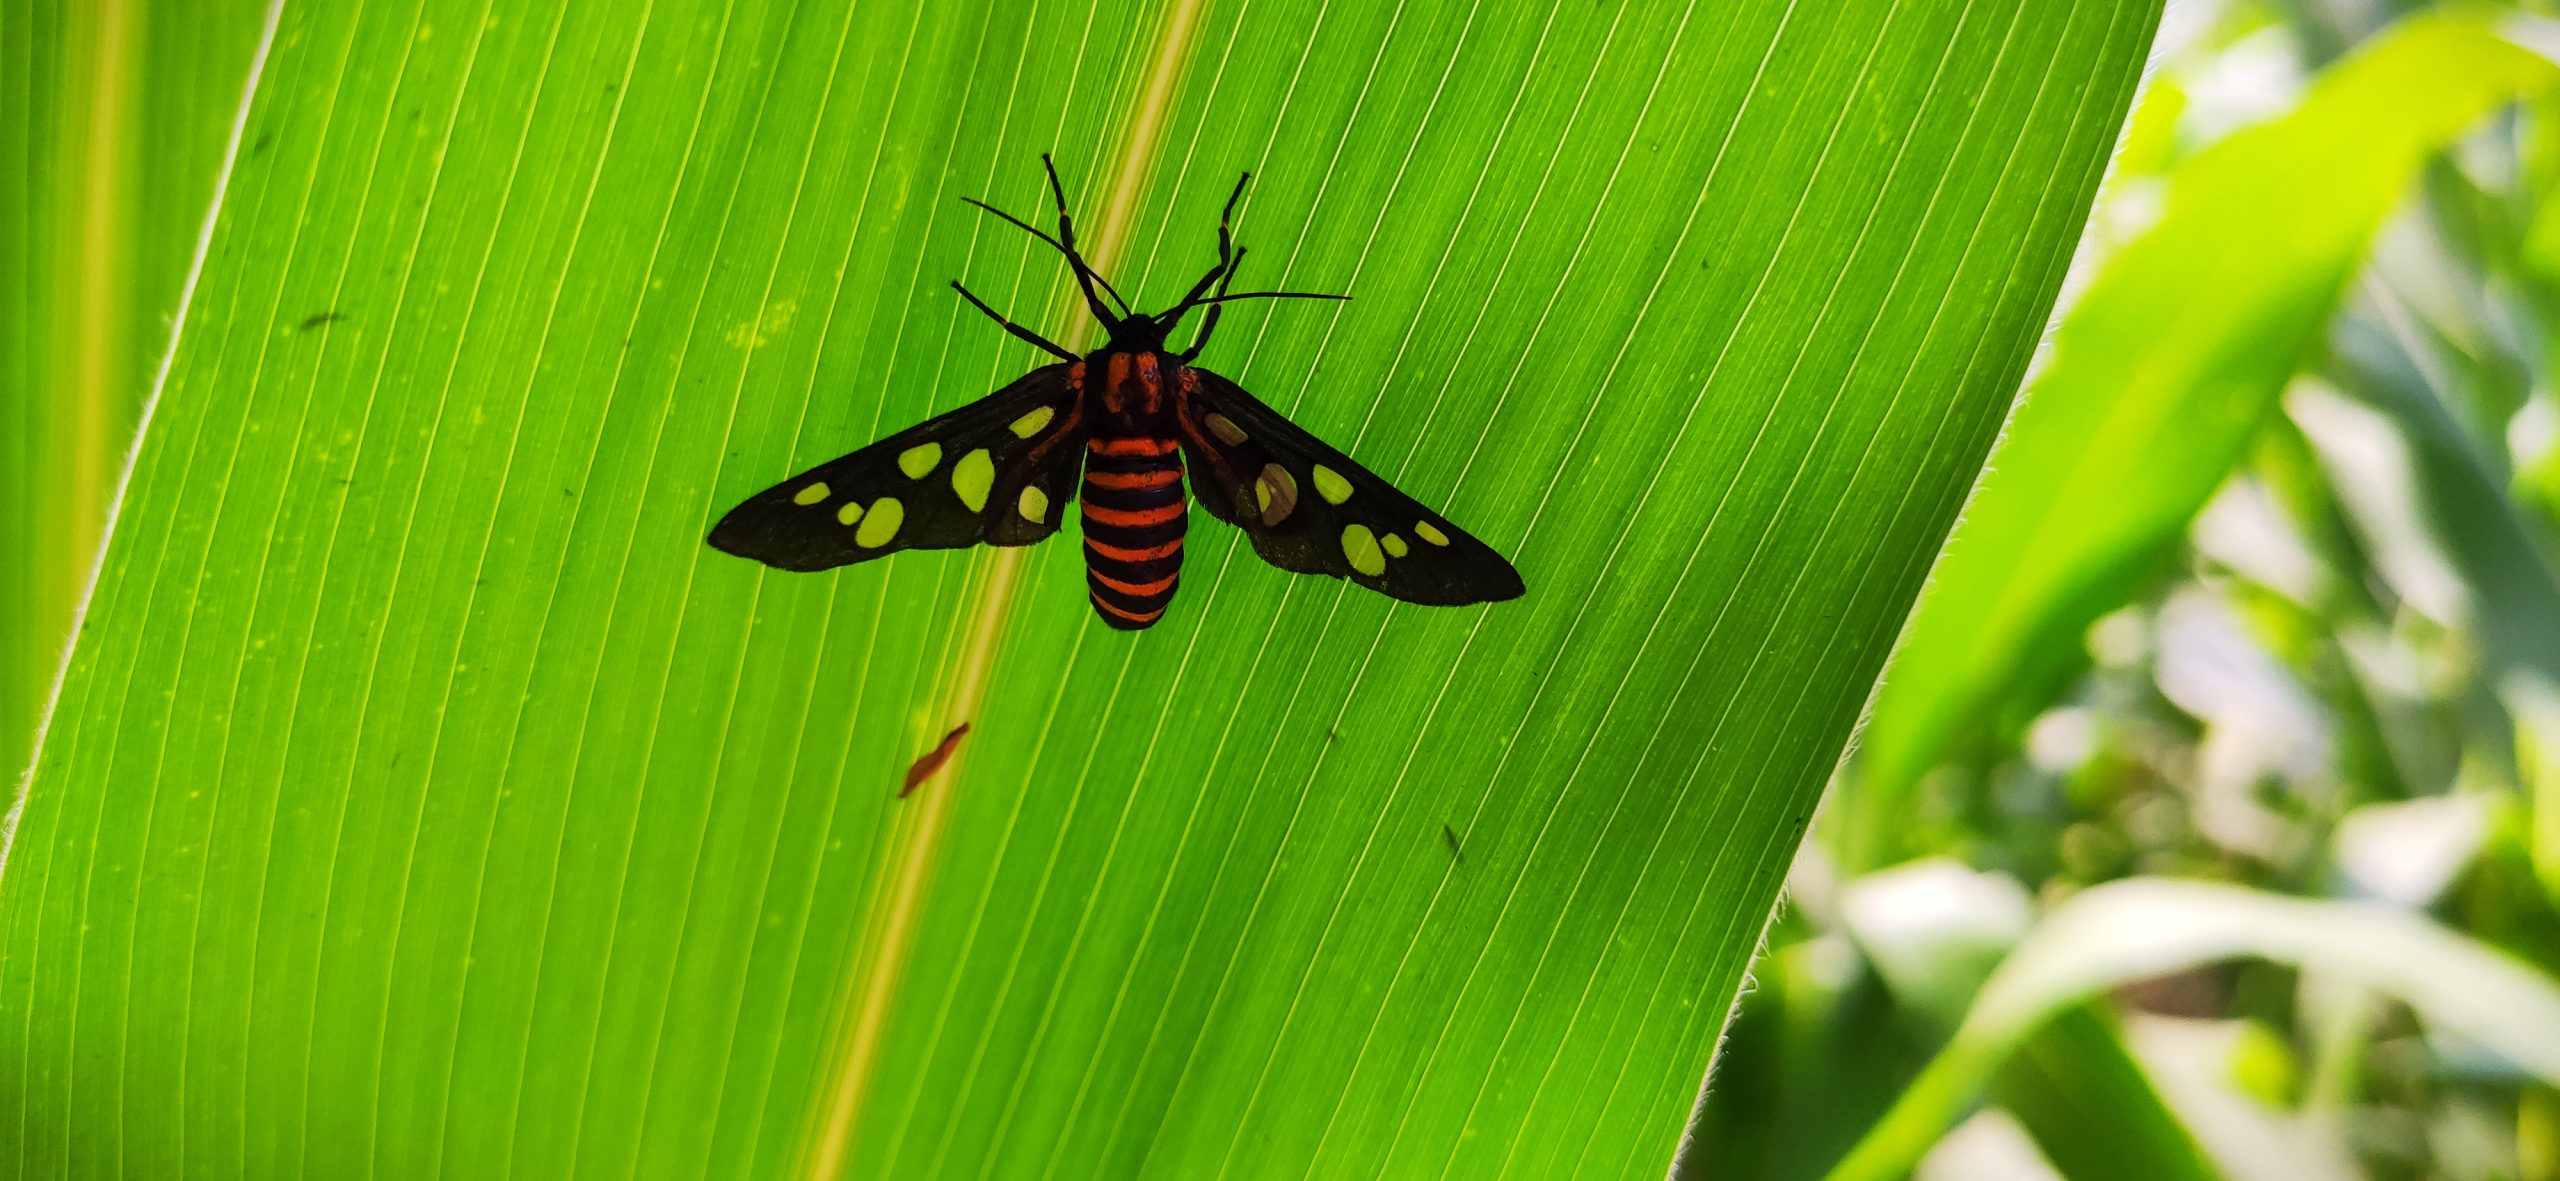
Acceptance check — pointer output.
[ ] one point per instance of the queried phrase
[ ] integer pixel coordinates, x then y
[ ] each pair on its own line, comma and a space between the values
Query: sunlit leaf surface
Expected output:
426, 797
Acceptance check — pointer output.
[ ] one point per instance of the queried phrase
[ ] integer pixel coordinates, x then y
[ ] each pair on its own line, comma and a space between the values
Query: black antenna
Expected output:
1054, 244
1218, 299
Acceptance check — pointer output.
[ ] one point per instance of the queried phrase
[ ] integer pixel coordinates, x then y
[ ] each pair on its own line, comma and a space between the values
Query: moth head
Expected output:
1143, 333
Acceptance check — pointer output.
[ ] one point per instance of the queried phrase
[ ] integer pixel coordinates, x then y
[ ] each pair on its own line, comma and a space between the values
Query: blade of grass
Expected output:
1934, 931
427, 796
113, 117
2133, 930
2160, 375
2511, 597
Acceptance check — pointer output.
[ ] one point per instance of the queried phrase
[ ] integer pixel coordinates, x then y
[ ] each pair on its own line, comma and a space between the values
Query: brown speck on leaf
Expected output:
1451, 836
933, 760
316, 319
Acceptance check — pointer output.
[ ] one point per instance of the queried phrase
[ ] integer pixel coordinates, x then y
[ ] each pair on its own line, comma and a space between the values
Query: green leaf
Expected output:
113, 118
2160, 375
425, 796
1934, 931
2132, 930
2078, 1090
2400, 379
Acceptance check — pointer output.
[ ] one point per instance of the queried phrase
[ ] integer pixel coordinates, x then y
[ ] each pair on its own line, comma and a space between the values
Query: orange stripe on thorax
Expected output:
1115, 383
1150, 384
1133, 382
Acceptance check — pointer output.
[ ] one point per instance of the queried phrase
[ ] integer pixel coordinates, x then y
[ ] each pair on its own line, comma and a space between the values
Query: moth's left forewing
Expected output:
1308, 508
998, 471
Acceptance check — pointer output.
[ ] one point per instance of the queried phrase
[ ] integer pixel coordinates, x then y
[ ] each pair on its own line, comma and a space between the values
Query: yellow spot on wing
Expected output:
1361, 548
1035, 504
815, 492
972, 476
1275, 491
1030, 424
1225, 428
1331, 486
918, 461
1429, 534
851, 512
881, 523
1394, 544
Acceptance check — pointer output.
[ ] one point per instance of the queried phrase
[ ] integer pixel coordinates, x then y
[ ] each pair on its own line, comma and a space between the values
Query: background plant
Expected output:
2260, 593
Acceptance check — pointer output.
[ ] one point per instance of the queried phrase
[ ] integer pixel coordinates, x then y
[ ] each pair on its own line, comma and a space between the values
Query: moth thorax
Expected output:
1133, 388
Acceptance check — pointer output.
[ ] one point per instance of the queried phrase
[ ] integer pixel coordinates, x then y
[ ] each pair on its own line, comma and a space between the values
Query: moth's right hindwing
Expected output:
998, 471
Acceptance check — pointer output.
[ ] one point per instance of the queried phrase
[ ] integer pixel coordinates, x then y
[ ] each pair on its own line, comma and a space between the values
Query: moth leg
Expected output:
1229, 258
1010, 326
1067, 236
1191, 299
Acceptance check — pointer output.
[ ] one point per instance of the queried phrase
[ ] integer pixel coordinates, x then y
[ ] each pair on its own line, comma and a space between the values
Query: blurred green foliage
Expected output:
2260, 591
113, 121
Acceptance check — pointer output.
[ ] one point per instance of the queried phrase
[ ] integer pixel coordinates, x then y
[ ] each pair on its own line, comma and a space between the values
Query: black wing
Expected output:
1308, 508
998, 471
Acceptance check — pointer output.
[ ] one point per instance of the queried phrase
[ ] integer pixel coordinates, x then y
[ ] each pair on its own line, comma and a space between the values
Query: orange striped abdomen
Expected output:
1135, 512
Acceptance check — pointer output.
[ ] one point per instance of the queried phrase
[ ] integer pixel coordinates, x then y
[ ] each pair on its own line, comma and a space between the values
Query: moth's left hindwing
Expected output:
998, 471
1310, 509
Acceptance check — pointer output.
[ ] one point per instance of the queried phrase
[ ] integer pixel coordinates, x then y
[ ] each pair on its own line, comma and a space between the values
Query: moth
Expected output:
1116, 433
